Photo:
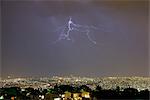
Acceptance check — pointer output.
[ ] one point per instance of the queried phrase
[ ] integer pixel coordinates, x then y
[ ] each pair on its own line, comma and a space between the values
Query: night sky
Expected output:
29, 30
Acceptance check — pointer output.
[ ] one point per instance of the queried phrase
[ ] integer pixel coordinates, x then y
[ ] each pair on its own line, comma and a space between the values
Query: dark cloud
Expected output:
28, 30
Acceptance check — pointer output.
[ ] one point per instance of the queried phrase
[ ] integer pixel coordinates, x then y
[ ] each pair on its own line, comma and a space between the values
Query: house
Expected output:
76, 96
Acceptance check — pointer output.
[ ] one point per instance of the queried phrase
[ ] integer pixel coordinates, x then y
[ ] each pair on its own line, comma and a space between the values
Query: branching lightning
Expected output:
70, 26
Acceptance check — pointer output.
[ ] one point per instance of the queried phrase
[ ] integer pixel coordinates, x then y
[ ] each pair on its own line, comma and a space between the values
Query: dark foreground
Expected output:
67, 92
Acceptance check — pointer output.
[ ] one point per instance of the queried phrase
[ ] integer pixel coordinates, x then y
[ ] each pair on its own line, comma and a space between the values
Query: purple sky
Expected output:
28, 30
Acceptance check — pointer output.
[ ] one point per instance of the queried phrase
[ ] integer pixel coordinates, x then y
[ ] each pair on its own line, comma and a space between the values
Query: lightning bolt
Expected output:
70, 26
